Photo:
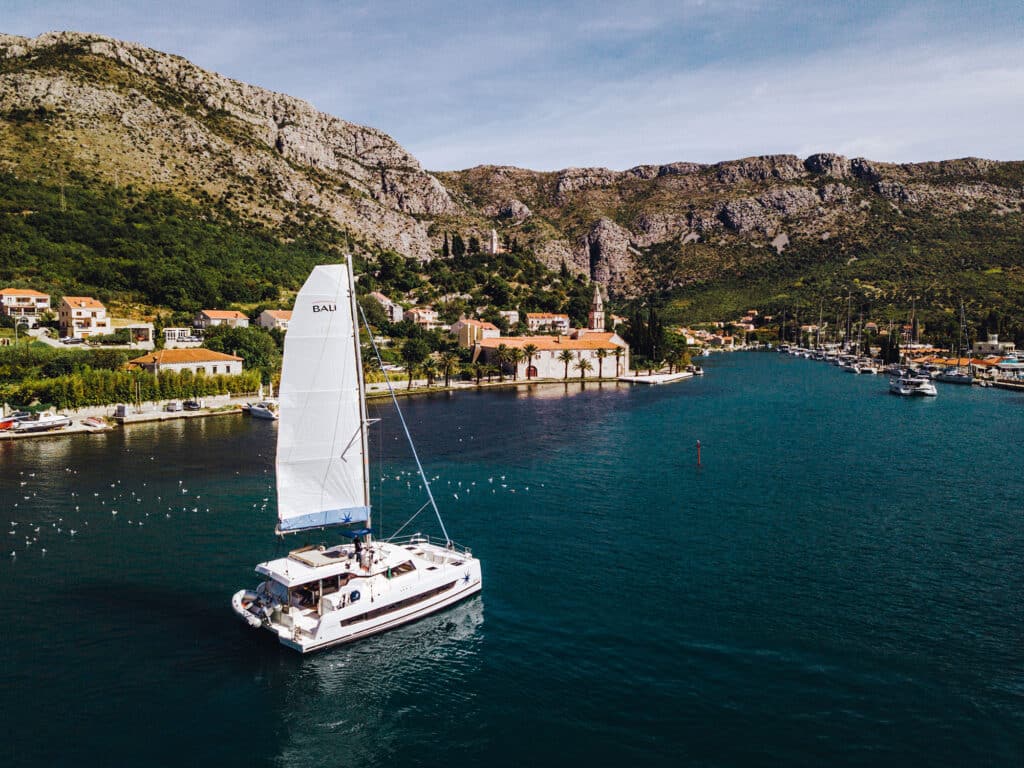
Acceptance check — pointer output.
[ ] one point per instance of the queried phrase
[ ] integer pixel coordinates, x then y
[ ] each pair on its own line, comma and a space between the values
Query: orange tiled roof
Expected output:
481, 324
22, 292
224, 314
279, 314
87, 302
553, 343
172, 356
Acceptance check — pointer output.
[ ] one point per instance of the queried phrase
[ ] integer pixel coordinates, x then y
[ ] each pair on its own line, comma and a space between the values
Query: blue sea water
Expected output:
841, 582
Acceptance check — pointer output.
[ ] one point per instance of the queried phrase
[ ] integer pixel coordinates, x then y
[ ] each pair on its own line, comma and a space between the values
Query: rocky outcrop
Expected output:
828, 164
651, 228
514, 210
573, 180
606, 248
223, 134
896, 192
760, 169
865, 170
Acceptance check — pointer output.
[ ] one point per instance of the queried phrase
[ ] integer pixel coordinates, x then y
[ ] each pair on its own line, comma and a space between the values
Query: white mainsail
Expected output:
321, 442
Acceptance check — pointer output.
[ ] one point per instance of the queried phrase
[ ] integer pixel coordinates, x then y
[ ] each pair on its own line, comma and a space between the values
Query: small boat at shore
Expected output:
8, 422
95, 422
264, 410
42, 422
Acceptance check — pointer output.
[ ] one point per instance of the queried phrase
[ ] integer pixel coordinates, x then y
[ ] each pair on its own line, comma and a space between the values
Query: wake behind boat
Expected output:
320, 596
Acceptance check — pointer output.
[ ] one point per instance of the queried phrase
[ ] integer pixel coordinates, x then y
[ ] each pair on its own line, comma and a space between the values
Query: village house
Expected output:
547, 321
182, 337
204, 361
993, 346
470, 331
80, 317
24, 304
140, 334
207, 318
425, 317
274, 318
511, 316
394, 311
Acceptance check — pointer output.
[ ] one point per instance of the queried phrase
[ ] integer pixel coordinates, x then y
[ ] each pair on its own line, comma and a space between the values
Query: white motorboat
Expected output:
320, 596
910, 385
954, 375
43, 421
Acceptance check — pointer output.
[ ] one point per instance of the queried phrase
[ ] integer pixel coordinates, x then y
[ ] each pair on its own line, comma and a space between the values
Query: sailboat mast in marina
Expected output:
324, 595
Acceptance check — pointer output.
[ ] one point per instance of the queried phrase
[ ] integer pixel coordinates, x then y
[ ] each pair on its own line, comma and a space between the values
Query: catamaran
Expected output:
320, 596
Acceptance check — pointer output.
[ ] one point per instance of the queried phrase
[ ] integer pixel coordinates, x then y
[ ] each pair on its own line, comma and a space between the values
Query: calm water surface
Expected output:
840, 583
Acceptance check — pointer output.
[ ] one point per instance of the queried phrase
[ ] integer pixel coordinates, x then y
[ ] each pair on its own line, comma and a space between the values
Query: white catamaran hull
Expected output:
404, 584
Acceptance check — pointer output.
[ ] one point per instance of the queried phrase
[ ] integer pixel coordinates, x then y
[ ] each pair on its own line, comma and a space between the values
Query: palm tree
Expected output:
491, 370
530, 350
429, 369
478, 370
601, 354
516, 356
584, 366
618, 360
673, 358
502, 356
450, 366
565, 356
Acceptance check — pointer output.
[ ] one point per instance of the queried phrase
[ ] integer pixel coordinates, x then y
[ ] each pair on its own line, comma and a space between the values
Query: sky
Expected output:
548, 85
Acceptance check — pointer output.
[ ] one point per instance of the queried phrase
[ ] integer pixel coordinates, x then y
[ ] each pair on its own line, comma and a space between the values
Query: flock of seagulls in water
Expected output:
51, 512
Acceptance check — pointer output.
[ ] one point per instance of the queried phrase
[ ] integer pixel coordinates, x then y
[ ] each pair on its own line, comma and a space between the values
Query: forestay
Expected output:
321, 450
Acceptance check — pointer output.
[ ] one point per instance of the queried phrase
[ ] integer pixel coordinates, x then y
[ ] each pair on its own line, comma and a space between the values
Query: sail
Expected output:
321, 450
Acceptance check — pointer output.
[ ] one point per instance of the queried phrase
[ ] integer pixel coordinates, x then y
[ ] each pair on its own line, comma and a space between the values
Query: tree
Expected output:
445, 250
458, 246
565, 356
601, 354
474, 244
516, 356
429, 369
584, 366
618, 359
254, 345
449, 365
414, 352
530, 351
478, 370
503, 356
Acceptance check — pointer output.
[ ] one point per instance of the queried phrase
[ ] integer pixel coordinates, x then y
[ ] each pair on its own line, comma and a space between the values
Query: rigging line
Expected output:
425, 505
405, 427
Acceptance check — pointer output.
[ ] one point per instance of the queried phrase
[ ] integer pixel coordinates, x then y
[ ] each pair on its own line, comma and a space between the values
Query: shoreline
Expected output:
229, 406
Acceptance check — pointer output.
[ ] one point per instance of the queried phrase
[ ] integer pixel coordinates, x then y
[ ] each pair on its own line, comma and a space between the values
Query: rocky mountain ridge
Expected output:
73, 102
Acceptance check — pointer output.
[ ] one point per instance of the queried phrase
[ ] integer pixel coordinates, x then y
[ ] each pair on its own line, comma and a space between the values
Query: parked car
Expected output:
193, 405
72, 340
173, 407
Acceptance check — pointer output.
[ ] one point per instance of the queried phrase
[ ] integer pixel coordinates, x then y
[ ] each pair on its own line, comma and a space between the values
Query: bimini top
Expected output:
321, 445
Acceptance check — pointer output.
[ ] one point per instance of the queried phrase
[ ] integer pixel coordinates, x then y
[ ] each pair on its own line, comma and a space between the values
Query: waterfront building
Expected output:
394, 311
80, 317
993, 346
204, 361
469, 331
582, 344
547, 321
24, 304
208, 318
274, 318
425, 317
